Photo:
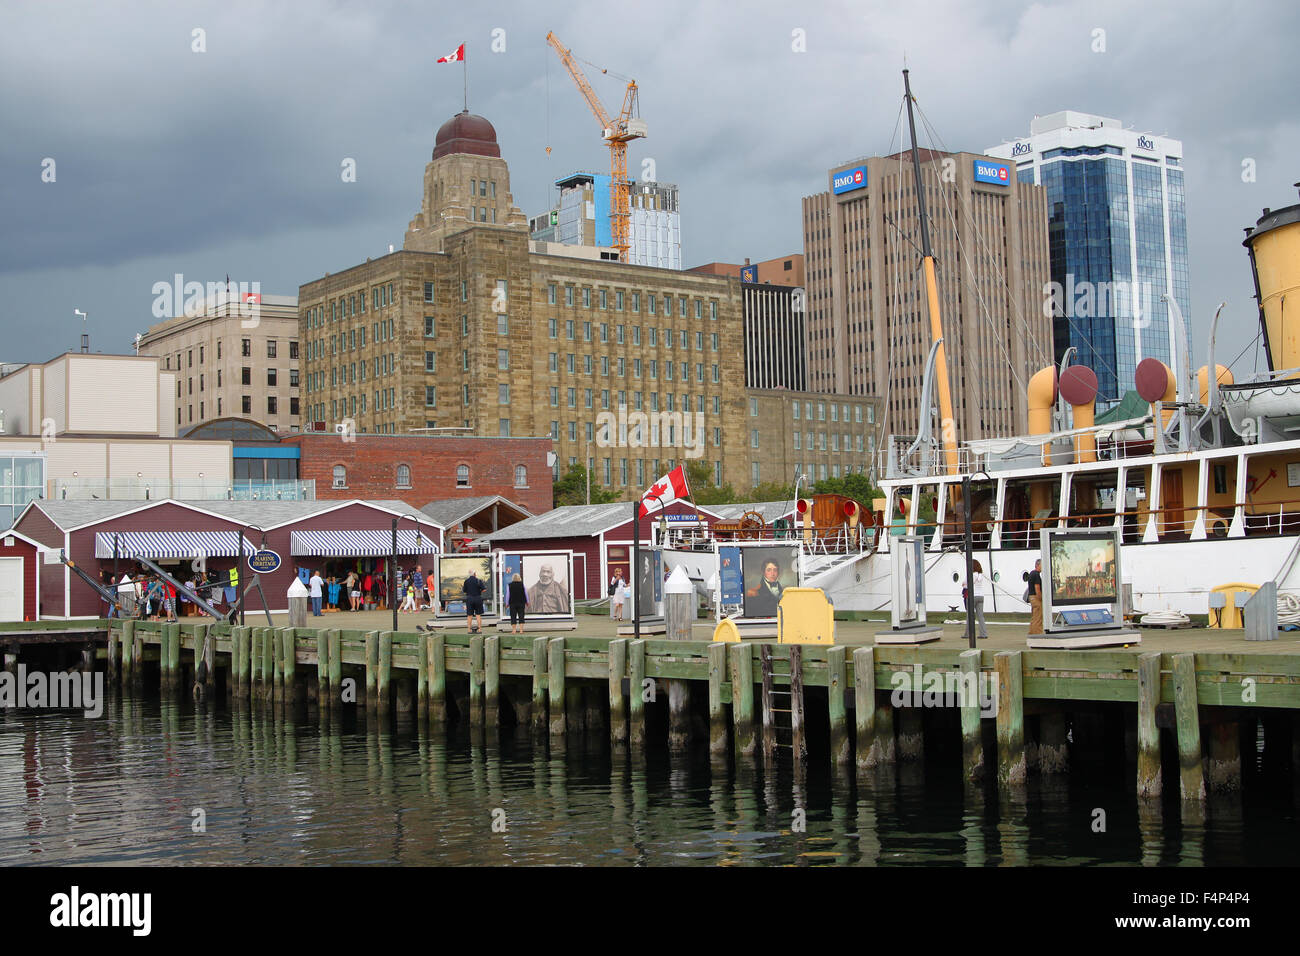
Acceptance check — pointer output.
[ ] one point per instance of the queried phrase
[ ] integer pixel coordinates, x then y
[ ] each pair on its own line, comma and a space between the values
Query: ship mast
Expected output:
947, 423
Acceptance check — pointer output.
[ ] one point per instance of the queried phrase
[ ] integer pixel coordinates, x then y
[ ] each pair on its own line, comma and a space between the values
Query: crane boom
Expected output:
616, 133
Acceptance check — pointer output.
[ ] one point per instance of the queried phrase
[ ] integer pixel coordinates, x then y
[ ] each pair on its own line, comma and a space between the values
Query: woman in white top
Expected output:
616, 597
977, 599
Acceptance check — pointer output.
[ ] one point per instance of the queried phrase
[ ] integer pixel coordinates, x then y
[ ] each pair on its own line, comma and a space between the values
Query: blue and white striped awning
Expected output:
169, 544
359, 544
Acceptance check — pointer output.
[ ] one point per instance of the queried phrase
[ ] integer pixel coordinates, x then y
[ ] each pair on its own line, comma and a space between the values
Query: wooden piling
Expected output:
128, 642
797, 723
972, 734
765, 702
1010, 719
137, 657
206, 641
636, 693
114, 653
742, 697
555, 681
422, 678
539, 683
836, 678
322, 667
372, 672
437, 679
492, 680
289, 664
679, 612
269, 656
617, 699
476, 680
1188, 720
336, 667
1149, 780
911, 731
255, 662
384, 672
1053, 744
1223, 763
717, 710
864, 708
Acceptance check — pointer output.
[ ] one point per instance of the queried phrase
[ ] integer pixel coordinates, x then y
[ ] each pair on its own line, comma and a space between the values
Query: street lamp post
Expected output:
392, 563
969, 546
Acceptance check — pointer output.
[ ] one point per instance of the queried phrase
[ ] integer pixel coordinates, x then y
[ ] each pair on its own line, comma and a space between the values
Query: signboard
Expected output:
453, 570
849, 180
1021, 149
1292, 474
1083, 569
907, 609
264, 562
547, 577
749, 273
648, 590
732, 582
987, 171
768, 571
1147, 143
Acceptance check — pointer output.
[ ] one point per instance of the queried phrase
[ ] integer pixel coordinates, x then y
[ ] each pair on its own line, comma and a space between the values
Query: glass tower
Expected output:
1117, 237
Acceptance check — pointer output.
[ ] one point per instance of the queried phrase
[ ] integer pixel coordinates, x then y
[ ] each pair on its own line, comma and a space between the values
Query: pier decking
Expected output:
866, 704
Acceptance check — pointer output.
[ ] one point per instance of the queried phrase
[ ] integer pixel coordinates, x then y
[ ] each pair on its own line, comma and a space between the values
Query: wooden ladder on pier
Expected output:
783, 726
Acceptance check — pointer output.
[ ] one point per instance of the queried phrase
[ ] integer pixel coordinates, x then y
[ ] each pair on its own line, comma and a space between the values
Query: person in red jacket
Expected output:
367, 587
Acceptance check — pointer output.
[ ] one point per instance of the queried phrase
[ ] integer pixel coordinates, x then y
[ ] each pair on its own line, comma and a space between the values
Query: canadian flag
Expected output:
454, 57
665, 491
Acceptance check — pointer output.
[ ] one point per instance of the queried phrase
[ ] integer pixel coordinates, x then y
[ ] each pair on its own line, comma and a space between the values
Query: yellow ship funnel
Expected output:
1224, 377
1274, 246
1042, 399
1079, 388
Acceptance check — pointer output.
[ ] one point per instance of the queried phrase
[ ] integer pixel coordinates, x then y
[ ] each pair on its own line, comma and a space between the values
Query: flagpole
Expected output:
636, 572
464, 62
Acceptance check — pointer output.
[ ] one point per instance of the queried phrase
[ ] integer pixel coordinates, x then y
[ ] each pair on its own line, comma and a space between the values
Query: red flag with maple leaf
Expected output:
455, 57
665, 491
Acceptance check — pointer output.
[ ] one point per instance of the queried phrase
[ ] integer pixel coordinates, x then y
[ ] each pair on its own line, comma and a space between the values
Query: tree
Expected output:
771, 491
704, 492
572, 489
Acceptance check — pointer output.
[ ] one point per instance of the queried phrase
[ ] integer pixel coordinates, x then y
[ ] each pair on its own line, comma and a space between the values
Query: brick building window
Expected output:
403, 476
340, 477
462, 476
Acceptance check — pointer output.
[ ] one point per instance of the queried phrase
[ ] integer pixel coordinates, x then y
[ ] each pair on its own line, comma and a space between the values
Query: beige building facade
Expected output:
809, 433
868, 320
468, 329
232, 361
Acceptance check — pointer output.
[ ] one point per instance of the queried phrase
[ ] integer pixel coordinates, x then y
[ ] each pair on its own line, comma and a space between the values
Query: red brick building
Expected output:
426, 468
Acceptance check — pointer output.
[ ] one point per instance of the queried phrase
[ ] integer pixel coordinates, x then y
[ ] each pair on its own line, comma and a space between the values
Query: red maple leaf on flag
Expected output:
656, 490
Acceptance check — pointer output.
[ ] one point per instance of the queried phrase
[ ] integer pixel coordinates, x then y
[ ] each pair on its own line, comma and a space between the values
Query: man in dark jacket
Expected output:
474, 589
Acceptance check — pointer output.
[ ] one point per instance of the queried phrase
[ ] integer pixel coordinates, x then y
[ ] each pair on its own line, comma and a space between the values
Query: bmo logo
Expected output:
1145, 142
998, 174
849, 180
1021, 149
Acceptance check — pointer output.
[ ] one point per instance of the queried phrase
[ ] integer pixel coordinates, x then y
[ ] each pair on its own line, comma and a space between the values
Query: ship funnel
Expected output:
1155, 382
1224, 377
1274, 246
1042, 392
1079, 388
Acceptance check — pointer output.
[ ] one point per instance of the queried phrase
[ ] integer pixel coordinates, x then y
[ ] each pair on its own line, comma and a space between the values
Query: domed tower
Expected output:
465, 183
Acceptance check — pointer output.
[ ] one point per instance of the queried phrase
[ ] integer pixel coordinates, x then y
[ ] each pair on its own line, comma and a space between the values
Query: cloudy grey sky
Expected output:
228, 161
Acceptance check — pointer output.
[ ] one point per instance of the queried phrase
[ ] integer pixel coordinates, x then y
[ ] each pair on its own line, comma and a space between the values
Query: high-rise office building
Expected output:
581, 218
1117, 228
868, 324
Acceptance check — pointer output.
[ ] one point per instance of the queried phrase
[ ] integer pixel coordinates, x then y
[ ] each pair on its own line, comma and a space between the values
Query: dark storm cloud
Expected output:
229, 160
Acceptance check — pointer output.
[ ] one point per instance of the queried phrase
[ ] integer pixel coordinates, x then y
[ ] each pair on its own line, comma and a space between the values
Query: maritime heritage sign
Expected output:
264, 562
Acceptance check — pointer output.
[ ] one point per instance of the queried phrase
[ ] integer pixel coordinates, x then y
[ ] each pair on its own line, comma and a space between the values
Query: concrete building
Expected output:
783, 270
1117, 231
776, 346
581, 219
232, 360
795, 433
68, 435
868, 320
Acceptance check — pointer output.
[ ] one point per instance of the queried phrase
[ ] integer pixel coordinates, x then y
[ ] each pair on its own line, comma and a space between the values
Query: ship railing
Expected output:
838, 540
1176, 523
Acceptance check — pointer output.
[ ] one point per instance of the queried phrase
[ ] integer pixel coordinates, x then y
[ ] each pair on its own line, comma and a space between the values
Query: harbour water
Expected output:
134, 786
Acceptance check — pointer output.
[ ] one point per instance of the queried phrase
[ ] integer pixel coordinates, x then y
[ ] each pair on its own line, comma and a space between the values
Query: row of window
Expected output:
246, 350
619, 298
246, 408
603, 331
836, 412
403, 476
638, 400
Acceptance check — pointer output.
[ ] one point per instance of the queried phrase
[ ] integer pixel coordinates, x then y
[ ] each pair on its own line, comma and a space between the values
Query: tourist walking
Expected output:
409, 603
977, 599
353, 587
617, 587
517, 599
474, 589
316, 587
1035, 593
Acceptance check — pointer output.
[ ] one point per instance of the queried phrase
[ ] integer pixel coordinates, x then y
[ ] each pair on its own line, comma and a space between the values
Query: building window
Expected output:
247, 404
340, 477
753, 438
503, 359
503, 427
754, 473
462, 476
503, 394
270, 376
293, 378
431, 396
247, 347
550, 296
604, 301
551, 327
568, 295
503, 324
272, 405
403, 476
586, 298
521, 475
270, 348
431, 361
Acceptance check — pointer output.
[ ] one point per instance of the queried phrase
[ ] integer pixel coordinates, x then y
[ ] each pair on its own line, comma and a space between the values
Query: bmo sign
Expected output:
996, 173
849, 180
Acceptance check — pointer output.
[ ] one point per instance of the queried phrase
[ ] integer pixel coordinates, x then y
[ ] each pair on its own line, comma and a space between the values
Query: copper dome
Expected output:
466, 133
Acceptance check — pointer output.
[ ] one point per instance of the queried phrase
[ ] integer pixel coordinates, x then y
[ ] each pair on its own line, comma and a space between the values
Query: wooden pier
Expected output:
867, 705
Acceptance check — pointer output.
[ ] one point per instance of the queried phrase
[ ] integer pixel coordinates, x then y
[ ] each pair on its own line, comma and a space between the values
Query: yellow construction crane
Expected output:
617, 132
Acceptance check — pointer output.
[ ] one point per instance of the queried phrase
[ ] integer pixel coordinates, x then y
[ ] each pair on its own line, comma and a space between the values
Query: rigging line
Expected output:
1249, 345
1037, 346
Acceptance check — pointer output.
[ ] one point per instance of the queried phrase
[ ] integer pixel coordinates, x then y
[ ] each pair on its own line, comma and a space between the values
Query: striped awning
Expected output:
169, 544
359, 544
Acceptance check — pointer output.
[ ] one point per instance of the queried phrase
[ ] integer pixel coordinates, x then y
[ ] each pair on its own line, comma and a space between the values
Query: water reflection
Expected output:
275, 786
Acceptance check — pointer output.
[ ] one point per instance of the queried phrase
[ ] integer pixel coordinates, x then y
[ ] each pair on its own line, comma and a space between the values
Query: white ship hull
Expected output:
1174, 576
